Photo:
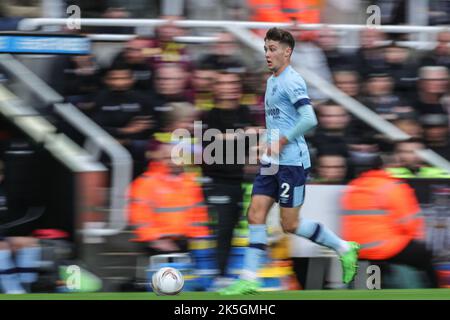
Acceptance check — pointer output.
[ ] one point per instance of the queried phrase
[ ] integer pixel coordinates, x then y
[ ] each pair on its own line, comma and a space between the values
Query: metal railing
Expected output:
423, 39
34, 24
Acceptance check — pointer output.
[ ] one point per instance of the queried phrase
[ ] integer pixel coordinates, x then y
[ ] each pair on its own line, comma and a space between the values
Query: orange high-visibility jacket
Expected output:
382, 214
165, 205
267, 10
303, 11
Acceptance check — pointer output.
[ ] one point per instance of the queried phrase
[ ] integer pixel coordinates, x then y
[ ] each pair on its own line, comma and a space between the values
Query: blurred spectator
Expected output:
410, 165
19, 256
439, 12
392, 11
313, 58
328, 41
306, 11
379, 95
404, 111
440, 56
165, 216
331, 167
3, 199
225, 54
81, 81
254, 87
433, 85
401, 68
410, 126
348, 82
363, 148
333, 126
267, 10
12, 11
82, 75
125, 113
136, 55
226, 177
436, 134
91, 9
22, 8
181, 116
168, 50
370, 57
388, 230
170, 84
102, 9
202, 82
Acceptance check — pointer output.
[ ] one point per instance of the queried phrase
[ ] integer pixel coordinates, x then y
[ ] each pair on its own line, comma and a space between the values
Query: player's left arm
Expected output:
298, 96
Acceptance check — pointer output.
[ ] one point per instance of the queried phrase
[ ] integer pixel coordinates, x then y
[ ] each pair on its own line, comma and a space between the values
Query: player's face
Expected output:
277, 55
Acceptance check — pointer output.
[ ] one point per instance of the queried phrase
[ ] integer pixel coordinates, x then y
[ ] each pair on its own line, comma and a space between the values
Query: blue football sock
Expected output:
28, 260
9, 280
255, 252
320, 234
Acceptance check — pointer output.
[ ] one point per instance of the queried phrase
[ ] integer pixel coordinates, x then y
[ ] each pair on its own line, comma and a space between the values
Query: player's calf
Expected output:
289, 226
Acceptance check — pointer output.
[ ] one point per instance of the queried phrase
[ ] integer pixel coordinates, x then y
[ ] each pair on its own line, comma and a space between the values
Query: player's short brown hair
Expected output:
281, 36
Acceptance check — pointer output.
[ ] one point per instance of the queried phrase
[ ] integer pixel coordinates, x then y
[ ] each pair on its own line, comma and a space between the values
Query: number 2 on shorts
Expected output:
285, 187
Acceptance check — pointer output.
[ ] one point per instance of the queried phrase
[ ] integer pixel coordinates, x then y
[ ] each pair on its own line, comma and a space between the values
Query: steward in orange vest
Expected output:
167, 205
382, 214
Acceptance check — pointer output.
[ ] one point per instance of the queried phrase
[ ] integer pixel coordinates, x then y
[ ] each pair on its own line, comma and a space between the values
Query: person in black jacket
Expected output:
136, 56
225, 194
124, 113
440, 55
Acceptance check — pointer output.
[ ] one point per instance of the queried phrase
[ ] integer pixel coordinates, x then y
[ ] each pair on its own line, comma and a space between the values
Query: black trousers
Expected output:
224, 199
418, 256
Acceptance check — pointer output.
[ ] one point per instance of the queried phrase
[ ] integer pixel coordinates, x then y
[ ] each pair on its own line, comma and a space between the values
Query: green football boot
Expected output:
349, 261
241, 287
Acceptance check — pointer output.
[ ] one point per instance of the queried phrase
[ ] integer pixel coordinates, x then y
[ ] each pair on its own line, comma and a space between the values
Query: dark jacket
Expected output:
114, 111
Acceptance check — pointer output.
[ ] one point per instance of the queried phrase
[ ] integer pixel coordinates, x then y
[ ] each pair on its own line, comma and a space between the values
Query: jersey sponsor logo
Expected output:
273, 112
299, 91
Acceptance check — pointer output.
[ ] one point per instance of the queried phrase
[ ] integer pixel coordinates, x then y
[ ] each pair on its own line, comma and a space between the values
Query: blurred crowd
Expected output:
156, 85
131, 98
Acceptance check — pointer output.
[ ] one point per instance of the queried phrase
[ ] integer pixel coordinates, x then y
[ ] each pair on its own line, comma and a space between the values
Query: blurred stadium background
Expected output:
83, 115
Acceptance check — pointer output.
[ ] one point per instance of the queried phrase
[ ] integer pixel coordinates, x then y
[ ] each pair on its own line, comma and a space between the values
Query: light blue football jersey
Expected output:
284, 95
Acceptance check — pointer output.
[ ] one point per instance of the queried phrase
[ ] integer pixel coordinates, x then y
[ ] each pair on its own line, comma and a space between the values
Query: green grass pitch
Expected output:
406, 294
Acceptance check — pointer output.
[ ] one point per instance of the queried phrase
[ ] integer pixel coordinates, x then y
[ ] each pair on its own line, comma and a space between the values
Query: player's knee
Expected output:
255, 216
4, 245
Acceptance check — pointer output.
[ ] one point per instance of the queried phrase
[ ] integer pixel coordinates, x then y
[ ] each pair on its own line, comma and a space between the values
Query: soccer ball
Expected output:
167, 281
